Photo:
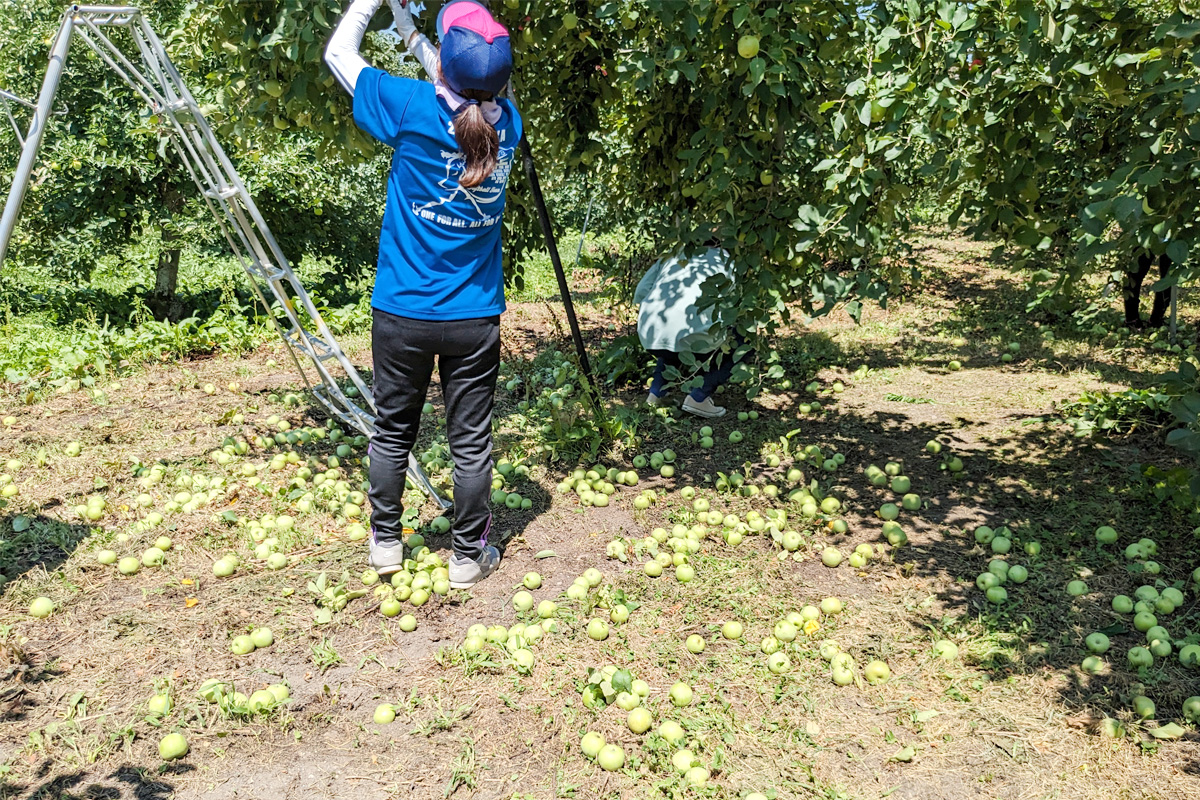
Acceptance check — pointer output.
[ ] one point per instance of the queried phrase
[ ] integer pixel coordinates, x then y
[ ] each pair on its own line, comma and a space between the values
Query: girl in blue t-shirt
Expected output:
439, 288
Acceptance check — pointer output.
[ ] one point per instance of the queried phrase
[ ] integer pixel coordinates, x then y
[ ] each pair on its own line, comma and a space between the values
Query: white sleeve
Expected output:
341, 54
427, 54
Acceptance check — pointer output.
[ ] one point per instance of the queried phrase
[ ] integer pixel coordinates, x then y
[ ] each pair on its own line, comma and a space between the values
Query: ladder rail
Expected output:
7, 99
36, 132
175, 85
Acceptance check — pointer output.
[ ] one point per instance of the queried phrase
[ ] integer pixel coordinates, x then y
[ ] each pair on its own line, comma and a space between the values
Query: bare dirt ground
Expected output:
1012, 717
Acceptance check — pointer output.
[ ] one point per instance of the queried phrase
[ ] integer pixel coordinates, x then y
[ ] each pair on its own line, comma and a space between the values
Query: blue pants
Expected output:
718, 373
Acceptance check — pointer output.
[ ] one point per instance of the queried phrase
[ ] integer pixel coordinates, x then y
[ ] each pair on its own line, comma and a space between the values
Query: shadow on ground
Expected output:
36, 541
128, 781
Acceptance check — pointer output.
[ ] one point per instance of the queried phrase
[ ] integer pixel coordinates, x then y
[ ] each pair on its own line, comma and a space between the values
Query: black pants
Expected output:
468, 356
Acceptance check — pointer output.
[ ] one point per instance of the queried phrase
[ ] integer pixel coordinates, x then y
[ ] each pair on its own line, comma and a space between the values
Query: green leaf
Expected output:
864, 113
1182, 30
1168, 731
1127, 207
758, 68
21, 524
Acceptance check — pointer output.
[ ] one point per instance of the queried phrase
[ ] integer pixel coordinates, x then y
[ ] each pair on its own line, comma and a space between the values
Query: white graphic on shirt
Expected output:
482, 198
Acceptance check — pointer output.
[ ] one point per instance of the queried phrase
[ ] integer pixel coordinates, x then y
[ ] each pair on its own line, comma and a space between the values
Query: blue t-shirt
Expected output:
439, 249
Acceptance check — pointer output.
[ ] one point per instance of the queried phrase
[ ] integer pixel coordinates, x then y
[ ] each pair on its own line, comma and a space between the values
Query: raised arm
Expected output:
416, 42
341, 54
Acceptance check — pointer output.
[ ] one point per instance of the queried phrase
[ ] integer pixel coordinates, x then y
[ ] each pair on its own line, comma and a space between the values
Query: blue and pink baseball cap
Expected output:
476, 50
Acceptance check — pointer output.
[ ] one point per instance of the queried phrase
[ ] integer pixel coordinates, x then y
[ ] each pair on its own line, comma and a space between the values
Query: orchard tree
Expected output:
781, 124
103, 171
785, 126
107, 174
1068, 131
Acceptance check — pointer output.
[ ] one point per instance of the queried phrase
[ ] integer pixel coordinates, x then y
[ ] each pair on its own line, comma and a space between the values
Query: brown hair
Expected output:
477, 139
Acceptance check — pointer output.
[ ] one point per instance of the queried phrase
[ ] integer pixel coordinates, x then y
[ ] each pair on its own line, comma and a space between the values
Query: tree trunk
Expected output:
1162, 300
166, 276
1131, 291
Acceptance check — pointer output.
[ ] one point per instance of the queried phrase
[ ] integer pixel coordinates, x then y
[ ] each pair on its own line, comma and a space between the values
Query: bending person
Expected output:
439, 288
670, 322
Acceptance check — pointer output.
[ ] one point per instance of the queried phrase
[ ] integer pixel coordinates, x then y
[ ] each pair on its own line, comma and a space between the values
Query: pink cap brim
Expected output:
473, 17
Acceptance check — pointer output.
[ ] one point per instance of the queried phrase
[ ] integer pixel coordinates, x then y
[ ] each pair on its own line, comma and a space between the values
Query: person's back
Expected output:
439, 249
670, 317
671, 321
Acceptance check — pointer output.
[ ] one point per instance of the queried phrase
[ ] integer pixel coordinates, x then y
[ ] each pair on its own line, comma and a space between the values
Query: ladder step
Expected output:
314, 346
221, 192
355, 417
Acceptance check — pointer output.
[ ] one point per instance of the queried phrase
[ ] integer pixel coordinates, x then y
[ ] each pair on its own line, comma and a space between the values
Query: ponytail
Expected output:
477, 140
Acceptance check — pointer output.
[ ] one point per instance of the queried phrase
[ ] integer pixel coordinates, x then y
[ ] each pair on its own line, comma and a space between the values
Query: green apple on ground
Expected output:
683, 760
877, 672
172, 746
41, 607
611, 758
1143, 707
672, 732
945, 650
159, 705
1140, 657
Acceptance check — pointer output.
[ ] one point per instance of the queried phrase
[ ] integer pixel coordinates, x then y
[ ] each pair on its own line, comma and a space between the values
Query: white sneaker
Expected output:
653, 400
703, 408
465, 573
386, 559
